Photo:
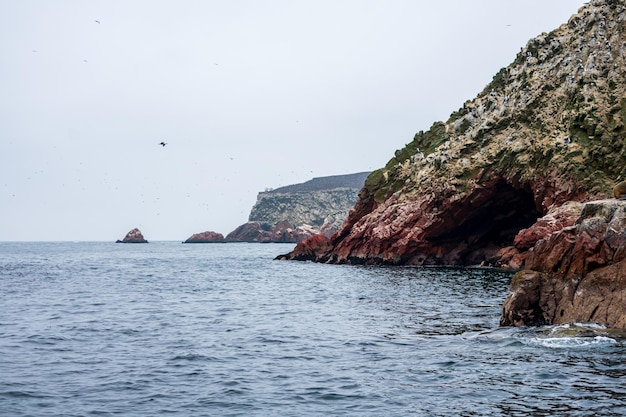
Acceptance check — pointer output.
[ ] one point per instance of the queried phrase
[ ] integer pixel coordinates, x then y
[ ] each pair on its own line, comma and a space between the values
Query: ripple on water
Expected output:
171, 329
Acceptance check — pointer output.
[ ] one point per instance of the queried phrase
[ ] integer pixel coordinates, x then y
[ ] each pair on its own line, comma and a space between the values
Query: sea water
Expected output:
168, 329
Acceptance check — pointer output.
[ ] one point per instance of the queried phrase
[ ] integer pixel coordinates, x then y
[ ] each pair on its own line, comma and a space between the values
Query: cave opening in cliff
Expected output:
487, 223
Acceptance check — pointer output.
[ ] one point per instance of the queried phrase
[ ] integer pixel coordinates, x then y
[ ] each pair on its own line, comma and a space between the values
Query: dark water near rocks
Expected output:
99, 329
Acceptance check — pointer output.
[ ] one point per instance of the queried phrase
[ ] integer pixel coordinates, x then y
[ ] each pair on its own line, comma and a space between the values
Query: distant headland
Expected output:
295, 212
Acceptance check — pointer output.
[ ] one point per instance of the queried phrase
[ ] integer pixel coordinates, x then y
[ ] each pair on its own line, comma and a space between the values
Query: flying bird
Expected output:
97, 21
162, 143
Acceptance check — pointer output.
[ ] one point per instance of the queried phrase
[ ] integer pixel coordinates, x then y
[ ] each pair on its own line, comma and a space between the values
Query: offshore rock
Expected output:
206, 237
134, 236
577, 274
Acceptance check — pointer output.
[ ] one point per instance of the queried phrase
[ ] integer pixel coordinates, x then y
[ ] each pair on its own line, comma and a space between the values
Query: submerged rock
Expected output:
134, 236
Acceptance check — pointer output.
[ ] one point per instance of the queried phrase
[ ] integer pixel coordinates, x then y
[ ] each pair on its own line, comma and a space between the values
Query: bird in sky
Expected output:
97, 21
162, 143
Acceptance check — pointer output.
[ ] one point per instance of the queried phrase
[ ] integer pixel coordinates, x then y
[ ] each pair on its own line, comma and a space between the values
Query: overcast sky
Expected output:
248, 95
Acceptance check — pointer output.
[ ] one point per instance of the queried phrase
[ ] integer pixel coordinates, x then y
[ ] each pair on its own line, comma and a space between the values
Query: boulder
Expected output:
134, 236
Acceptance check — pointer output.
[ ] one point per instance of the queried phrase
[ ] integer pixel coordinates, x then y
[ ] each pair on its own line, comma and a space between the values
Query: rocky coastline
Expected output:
293, 213
517, 178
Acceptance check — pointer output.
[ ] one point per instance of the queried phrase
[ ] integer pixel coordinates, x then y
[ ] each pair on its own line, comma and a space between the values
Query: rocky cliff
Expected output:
547, 130
502, 182
575, 273
296, 212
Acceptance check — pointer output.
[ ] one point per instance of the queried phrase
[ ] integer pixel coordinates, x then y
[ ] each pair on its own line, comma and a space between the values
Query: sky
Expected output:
247, 94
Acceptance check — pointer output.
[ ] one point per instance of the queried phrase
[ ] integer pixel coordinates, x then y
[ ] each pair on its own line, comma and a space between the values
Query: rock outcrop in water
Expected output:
205, 237
508, 169
134, 236
297, 212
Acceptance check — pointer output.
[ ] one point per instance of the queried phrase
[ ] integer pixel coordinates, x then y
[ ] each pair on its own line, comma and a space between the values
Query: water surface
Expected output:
223, 330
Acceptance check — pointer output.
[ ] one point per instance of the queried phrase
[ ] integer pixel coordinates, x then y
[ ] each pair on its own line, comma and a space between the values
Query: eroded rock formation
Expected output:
134, 236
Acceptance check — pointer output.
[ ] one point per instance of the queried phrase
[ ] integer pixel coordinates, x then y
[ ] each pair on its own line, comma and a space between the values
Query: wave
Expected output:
560, 336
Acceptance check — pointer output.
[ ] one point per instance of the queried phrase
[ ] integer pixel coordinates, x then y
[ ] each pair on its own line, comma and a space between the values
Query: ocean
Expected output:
171, 329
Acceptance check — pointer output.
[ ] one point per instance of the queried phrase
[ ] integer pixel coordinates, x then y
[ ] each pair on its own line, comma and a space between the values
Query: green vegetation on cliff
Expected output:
554, 118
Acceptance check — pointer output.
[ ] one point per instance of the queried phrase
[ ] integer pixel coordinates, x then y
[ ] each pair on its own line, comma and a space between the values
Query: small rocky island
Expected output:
517, 178
206, 237
134, 236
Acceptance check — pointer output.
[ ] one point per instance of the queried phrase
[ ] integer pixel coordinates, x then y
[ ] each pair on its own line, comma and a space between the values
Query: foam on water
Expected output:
573, 335
561, 336
572, 342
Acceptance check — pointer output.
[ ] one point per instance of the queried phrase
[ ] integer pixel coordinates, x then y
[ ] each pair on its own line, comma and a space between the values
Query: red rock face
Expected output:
248, 232
134, 236
206, 237
575, 274
556, 219
446, 228
309, 249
